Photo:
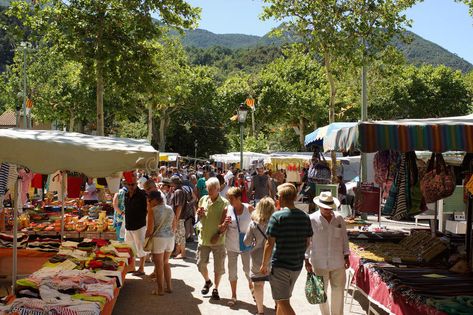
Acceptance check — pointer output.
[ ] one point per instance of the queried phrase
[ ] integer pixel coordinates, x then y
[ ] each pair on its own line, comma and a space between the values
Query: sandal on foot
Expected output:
215, 295
168, 291
206, 287
232, 302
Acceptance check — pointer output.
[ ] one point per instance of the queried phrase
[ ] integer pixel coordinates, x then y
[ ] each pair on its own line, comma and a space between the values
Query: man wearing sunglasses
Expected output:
135, 220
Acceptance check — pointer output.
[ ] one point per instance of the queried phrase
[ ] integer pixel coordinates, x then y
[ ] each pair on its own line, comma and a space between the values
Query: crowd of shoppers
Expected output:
246, 221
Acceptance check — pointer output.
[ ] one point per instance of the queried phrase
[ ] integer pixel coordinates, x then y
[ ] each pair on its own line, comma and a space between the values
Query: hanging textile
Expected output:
385, 165
4, 170
25, 177
37, 181
113, 183
54, 181
74, 185
12, 177
400, 209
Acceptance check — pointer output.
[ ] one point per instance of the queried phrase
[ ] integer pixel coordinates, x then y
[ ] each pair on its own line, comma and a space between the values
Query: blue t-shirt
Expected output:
202, 187
290, 228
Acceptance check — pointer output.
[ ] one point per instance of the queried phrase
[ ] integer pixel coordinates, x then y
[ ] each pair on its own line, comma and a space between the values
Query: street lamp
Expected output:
242, 113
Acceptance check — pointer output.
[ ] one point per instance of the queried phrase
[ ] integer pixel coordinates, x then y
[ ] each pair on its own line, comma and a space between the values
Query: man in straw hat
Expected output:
328, 254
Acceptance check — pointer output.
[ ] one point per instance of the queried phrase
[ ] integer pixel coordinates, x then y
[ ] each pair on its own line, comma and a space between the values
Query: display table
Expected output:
29, 261
380, 294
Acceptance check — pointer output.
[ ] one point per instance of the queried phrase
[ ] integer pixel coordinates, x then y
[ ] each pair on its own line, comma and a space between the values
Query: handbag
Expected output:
241, 236
438, 182
314, 289
148, 244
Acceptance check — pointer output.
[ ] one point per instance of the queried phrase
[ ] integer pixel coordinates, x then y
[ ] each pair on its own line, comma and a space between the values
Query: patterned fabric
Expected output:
439, 181
118, 217
434, 136
4, 170
314, 289
400, 210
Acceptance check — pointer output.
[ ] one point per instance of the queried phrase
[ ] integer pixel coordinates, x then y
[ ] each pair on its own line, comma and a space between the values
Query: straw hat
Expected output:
326, 200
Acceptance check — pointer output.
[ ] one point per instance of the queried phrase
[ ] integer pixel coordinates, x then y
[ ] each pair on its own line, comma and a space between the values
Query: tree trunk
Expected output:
333, 89
331, 110
162, 130
71, 122
302, 134
99, 64
150, 123
100, 91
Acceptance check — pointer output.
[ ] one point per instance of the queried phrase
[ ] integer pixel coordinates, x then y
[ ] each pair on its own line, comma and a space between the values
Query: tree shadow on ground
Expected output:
135, 297
241, 306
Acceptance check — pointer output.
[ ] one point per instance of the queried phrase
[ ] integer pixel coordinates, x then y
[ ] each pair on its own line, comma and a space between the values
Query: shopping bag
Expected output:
314, 289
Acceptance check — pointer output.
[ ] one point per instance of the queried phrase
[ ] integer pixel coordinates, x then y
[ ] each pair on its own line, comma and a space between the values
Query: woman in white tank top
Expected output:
240, 214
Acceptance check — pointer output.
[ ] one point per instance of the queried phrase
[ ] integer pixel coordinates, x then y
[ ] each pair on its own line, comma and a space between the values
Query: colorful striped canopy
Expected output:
433, 134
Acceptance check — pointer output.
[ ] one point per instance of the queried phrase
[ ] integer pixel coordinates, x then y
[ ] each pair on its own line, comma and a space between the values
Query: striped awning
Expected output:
433, 134
318, 136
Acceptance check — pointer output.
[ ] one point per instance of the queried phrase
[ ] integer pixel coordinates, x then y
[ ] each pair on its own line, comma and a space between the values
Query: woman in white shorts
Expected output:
159, 226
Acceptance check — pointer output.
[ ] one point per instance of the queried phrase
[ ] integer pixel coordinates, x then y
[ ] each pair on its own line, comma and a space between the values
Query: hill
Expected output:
419, 51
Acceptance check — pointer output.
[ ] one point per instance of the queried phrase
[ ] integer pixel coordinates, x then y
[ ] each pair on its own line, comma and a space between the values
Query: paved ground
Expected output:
187, 299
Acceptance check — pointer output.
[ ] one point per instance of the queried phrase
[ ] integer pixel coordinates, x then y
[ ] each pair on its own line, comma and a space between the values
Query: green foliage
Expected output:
132, 129
422, 92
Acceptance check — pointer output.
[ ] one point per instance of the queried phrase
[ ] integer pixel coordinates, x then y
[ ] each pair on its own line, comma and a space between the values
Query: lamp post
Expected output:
242, 113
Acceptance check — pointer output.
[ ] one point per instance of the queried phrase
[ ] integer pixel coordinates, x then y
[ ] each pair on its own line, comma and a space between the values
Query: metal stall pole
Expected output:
63, 188
468, 234
16, 210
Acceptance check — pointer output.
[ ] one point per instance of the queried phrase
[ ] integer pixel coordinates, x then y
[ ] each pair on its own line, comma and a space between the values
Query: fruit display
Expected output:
46, 217
418, 247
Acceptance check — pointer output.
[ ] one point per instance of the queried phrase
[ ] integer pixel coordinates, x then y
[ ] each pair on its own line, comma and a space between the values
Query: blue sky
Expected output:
441, 21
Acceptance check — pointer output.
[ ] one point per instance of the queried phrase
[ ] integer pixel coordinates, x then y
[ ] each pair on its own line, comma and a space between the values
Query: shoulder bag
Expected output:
241, 236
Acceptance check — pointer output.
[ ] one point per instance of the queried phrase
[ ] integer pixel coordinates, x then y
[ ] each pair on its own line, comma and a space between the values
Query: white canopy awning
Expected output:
46, 151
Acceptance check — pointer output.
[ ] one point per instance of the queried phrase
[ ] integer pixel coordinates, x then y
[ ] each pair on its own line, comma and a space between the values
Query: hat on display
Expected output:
326, 200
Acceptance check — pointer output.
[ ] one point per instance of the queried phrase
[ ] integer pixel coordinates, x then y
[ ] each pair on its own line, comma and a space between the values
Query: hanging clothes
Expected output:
25, 177
113, 183
12, 177
4, 170
400, 210
74, 185
37, 181
54, 181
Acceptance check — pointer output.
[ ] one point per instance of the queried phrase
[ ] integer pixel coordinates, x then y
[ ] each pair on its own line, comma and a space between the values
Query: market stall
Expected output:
45, 152
412, 280
319, 136
81, 277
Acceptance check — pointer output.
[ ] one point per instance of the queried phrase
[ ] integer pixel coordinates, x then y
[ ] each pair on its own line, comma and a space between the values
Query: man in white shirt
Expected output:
328, 254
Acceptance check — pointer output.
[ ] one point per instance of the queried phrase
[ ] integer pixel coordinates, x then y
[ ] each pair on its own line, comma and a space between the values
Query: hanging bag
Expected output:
314, 289
243, 247
438, 182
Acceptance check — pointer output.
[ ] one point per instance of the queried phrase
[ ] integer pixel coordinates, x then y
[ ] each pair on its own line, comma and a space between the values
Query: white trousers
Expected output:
337, 280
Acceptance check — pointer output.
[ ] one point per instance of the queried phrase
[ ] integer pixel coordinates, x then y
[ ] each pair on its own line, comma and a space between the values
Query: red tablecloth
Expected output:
372, 284
29, 261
